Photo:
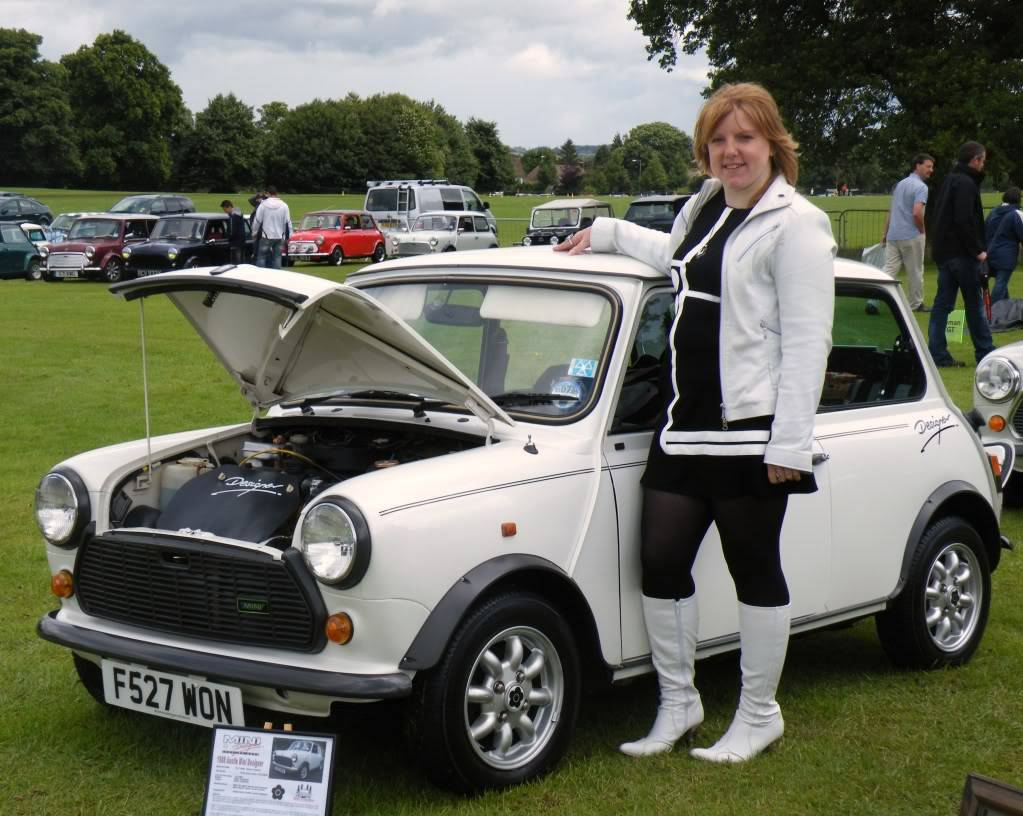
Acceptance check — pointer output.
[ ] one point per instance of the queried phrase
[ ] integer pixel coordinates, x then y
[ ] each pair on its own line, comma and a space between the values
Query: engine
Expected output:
253, 487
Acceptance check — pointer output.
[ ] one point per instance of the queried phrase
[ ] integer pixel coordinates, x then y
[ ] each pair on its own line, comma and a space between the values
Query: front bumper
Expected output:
222, 668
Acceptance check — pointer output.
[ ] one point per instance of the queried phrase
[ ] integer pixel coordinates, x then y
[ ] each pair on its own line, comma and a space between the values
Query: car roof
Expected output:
221, 215
30, 225
571, 202
658, 199
454, 213
336, 212
598, 264
120, 216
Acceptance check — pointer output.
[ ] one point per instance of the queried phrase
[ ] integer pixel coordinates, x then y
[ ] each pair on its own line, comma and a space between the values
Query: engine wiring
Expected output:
296, 454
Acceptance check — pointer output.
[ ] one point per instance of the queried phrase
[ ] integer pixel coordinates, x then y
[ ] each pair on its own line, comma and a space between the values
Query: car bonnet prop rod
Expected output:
145, 389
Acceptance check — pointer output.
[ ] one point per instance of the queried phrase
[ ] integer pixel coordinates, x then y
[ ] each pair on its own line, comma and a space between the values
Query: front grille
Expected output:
302, 248
204, 590
412, 248
66, 260
1017, 420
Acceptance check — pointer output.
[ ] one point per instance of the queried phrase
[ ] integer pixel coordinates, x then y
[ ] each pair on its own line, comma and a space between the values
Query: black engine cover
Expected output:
249, 504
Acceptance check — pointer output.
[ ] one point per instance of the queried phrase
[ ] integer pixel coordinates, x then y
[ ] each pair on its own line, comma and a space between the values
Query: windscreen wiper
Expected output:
531, 398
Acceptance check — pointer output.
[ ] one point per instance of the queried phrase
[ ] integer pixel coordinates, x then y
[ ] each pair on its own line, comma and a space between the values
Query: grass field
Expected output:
862, 738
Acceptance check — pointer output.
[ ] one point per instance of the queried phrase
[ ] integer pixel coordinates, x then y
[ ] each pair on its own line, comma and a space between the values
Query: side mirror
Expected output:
486, 205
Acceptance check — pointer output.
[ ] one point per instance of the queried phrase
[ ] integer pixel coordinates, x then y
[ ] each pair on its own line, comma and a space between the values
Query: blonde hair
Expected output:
757, 104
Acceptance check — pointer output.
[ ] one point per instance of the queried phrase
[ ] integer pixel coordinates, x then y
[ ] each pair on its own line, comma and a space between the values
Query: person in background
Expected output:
254, 202
752, 264
959, 249
1003, 229
904, 230
237, 230
273, 222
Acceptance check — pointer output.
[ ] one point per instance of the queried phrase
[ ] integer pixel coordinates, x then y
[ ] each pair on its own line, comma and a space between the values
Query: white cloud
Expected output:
544, 72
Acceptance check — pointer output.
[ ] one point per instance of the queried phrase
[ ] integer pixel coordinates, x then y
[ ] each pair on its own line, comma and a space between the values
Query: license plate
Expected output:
66, 273
171, 695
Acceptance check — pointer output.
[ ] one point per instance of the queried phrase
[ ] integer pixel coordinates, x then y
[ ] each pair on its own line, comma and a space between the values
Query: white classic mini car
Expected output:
443, 232
301, 757
438, 500
997, 396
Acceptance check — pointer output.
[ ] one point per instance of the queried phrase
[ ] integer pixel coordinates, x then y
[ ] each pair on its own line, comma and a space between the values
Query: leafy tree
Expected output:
547, 177
36, 127
319, 147
616, 178
534, 156
402, 138
570, 179
892, 78
221, 152
568, 154
496, 172
128, 111
653, 179
460, 162
672, 148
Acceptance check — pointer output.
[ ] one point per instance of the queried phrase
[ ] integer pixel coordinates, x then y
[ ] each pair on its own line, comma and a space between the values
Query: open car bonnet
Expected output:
285, 336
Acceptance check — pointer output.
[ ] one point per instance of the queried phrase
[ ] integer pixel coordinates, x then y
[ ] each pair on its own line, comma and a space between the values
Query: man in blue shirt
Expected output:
1003, 229
904, 230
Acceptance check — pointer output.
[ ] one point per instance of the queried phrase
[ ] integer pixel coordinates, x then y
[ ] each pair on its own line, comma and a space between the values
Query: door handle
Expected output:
819, 458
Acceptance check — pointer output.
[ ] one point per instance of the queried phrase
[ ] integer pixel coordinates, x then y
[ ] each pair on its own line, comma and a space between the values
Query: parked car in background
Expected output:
554, 221
60, 225
437, 500
19, 257
331, 236
443, 232
154, 204
37, 235
998, 411
396, 204
656, 211
18, 208
183, 242
96, 246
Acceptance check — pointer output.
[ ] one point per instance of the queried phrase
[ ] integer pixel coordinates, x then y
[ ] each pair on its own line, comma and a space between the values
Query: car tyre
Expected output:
337, 256
378, 253
938, 618
500, 706
113, 272
303, 771
35, 270
1013, 493
91, 677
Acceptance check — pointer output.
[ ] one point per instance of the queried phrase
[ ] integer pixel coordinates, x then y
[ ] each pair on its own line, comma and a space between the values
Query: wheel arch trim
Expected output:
534, 572
957, 498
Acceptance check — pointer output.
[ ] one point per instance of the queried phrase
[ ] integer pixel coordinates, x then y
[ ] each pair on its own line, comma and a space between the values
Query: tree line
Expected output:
110, 116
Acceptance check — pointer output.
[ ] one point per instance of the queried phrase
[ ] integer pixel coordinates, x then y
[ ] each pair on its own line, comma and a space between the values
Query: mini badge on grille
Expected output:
254, 606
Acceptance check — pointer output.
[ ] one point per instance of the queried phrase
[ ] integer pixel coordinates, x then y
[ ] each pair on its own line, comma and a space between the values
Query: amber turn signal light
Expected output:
62, 584
339, 628
996, 466
996, 423
508, 529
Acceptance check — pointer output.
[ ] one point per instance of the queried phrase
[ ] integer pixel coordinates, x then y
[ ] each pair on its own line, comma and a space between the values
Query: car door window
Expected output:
367, 222
873, 358
641, 400
472, 202
481, 223
158, 208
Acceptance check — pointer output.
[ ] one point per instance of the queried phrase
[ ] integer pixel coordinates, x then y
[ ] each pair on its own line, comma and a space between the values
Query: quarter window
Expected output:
645, 385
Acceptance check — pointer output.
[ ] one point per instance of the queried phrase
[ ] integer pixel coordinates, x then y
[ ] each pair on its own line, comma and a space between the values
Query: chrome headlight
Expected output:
394, 242
126, 252
62, 508
44, 251
172, 254
997, 379
90, 251
527, 241
334, 540
319, 240
433, 242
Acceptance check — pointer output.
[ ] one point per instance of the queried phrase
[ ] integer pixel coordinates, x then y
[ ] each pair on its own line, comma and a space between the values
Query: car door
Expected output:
217, 242
368, 231
484, 237
466, 235
884, 437
6, 258
805, 534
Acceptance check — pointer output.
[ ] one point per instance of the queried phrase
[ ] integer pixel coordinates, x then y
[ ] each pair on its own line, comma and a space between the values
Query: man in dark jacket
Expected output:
1003, 230
236, 241
958, 247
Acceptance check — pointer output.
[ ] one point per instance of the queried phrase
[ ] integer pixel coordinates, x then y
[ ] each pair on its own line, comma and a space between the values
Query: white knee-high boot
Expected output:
763, 637
672, 629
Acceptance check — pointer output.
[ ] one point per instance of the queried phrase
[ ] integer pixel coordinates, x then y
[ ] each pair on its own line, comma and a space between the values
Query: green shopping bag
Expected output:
954, 327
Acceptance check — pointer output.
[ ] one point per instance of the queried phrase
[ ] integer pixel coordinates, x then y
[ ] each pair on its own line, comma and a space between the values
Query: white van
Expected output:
395, 204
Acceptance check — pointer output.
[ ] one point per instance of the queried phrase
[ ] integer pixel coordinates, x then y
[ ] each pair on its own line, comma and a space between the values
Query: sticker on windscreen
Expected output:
580, 367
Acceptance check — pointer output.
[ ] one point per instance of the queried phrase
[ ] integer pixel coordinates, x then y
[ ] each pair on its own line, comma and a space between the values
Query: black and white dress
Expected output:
696, 452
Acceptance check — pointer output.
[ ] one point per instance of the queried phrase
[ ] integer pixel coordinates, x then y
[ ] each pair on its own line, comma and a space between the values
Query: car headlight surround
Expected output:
62, 507
172, 254
334, 540
527, 241
394, 242
433, 242
319, 240
90, 251
126, 252
997, 379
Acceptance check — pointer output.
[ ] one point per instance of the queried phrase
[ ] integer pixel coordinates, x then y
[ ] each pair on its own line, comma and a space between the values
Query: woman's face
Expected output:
740, 157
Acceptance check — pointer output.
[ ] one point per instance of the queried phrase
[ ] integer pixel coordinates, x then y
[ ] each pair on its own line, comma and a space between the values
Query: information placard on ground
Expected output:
259, 772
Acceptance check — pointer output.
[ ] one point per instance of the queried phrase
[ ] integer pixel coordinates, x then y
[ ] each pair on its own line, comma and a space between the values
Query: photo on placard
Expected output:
297, 758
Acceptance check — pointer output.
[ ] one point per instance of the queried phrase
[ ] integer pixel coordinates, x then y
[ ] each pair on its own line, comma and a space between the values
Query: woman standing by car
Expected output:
752, 265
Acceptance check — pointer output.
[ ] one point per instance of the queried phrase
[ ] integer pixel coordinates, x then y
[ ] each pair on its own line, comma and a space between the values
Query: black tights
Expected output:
750, 529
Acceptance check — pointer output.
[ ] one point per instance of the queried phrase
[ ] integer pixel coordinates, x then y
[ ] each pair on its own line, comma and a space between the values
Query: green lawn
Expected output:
862, 738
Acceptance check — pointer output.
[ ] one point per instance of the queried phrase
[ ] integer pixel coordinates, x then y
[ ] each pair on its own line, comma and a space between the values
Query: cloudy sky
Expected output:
544, 71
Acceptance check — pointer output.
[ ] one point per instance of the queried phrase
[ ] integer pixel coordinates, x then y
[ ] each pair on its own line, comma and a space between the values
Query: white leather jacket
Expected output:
777, 306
